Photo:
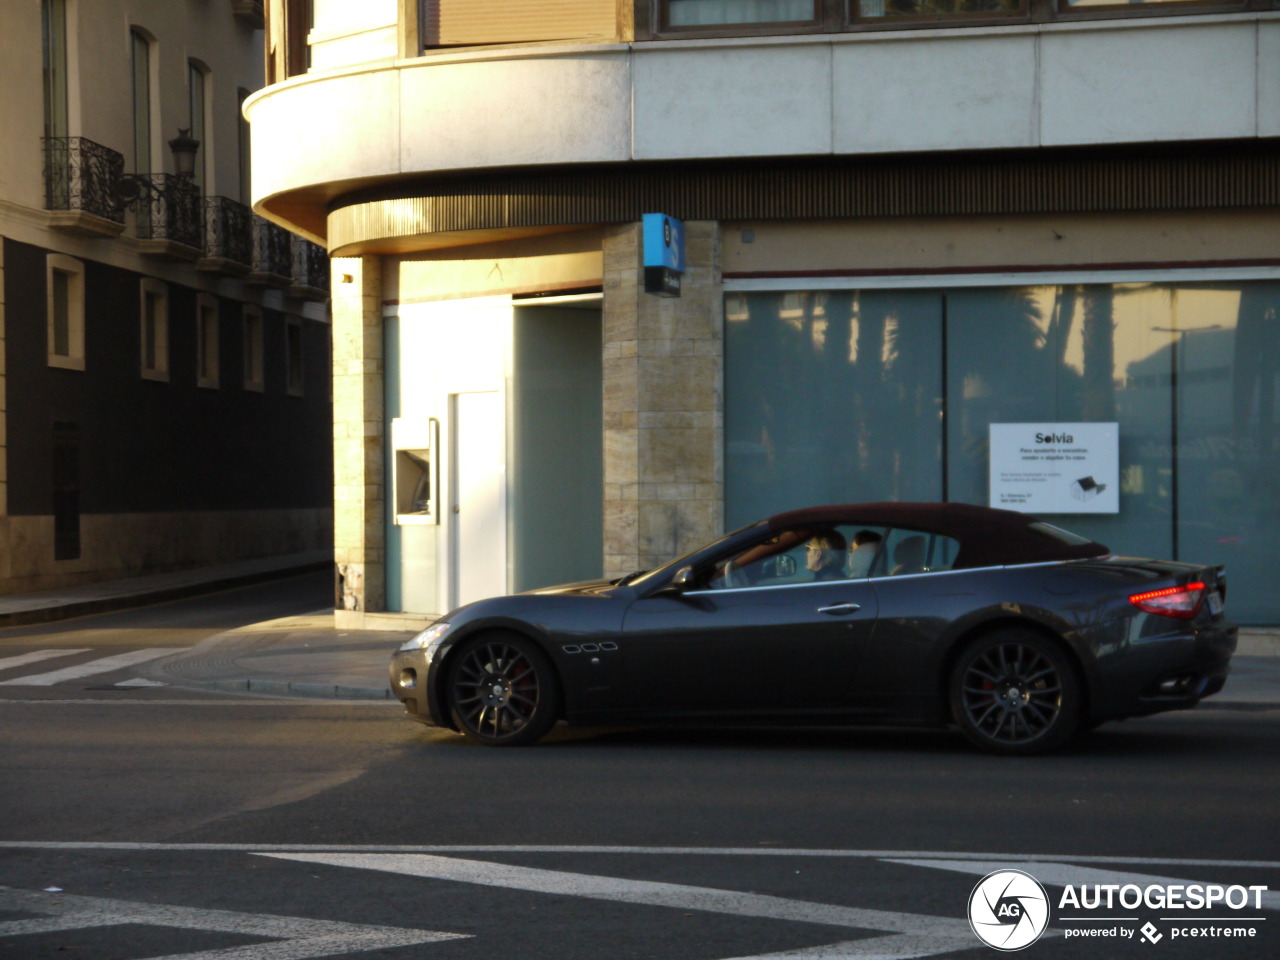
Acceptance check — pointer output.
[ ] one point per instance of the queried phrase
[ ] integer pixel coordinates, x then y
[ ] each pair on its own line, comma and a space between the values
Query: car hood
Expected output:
583, 588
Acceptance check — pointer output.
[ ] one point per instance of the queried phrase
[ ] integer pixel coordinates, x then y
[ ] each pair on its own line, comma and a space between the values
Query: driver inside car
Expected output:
825, 556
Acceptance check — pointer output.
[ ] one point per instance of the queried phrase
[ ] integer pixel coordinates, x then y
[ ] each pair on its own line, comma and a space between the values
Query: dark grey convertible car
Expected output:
1015, 631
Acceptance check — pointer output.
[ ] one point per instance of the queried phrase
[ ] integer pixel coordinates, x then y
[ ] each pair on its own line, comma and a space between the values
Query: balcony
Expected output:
170, 217
310, 271
228, 237
249, 12
80, 177
272, 255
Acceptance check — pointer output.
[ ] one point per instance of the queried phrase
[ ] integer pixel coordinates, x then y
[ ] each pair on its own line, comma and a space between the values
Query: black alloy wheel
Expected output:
1016, 692
502, 691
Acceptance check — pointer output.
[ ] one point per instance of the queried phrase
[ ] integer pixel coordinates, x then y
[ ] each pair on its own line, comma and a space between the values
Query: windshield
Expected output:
1057, 533
679, 562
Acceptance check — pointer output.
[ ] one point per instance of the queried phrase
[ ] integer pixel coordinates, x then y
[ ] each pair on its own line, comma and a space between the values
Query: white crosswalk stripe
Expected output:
35, 656
93, 667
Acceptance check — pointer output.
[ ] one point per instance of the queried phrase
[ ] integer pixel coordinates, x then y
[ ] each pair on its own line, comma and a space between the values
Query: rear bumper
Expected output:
1171, 672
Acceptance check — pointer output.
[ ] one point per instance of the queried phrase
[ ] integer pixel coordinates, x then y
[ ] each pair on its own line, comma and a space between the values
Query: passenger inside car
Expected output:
825, 556
865, 545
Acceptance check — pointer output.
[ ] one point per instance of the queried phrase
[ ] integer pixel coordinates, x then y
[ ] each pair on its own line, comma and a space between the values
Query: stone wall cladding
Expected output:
663, 404
358, 458
120, 545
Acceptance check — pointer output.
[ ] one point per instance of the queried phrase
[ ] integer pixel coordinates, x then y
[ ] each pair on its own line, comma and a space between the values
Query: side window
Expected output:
801, 555
774, 562
906, 552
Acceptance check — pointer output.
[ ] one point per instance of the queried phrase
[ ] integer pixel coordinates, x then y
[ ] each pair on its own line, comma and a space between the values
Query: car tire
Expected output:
1016, 692
503, 691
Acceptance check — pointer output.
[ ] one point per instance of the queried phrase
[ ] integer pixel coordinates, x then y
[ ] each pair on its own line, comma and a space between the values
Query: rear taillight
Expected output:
1181, 602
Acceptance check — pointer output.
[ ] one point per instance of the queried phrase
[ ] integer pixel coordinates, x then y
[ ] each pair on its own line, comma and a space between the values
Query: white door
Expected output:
479, 497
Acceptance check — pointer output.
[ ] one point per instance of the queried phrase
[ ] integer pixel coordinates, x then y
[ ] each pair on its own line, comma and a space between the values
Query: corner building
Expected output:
906, 221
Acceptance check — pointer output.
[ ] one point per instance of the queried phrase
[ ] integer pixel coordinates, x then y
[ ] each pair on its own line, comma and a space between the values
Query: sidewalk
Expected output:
302, 656
64, 603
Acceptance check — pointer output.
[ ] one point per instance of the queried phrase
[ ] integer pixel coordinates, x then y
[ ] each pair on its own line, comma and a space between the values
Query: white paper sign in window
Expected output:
1052, 468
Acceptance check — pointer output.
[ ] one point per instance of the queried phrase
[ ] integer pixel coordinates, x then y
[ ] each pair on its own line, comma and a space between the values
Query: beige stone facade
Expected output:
663, 405
358, 434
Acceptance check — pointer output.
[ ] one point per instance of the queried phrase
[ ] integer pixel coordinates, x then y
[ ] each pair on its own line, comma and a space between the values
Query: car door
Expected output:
785, 643
919, 596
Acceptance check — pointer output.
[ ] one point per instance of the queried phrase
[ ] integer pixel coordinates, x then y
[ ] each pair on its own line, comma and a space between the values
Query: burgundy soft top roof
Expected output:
988, 537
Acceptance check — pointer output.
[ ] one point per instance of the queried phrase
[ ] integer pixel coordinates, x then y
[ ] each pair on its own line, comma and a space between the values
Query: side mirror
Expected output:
683, 579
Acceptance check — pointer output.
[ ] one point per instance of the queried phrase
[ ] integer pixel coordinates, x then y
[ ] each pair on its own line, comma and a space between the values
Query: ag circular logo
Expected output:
1008, 910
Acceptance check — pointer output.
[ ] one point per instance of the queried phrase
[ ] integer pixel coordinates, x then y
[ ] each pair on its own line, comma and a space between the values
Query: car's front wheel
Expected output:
1014, 691
503, 690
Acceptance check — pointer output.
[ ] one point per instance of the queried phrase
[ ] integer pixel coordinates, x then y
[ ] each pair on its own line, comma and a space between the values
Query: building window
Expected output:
207, 341
141, 65
197, 119
875, 10
54, 21
253, 349
697, 13
301, 18
154, 330
293, 355
64, 279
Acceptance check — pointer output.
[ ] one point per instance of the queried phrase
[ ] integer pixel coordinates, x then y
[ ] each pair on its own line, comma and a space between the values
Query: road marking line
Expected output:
927, 935
1065, 874
295, 938
101, 665
140, 682
35, 656
474, 848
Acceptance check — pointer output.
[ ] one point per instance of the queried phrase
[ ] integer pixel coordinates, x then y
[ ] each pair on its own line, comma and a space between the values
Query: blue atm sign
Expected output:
663, 254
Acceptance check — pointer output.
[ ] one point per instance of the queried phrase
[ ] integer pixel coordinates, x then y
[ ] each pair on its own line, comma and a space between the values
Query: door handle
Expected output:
836, 609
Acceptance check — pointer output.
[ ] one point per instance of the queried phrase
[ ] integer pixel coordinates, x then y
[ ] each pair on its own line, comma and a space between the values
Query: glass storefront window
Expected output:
840, 396
1062, 355
831, 397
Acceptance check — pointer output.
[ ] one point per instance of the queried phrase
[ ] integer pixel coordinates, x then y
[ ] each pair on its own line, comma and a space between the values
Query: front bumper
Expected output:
409, 674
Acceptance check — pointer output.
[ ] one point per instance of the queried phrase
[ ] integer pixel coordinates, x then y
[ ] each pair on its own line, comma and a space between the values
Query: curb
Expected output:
82, 608
289, 688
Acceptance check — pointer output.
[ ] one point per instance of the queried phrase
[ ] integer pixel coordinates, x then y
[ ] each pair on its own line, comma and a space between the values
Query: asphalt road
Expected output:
185, 825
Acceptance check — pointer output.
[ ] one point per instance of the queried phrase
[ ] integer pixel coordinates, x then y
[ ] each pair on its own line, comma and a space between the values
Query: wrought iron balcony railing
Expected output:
81, 176
228, 234
310, 270
172, 210
272, 255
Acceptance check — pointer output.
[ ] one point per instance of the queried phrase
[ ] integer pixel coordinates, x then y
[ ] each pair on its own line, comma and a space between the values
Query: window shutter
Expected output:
467, 22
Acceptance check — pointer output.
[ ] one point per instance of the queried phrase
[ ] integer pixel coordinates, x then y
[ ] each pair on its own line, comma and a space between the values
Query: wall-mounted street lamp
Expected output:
132, 186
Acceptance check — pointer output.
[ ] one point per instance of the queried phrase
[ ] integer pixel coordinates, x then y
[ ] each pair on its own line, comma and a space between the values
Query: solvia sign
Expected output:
1055, 467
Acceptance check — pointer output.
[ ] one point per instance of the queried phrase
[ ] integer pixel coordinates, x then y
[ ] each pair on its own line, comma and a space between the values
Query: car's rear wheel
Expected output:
503, 690
1014, 691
